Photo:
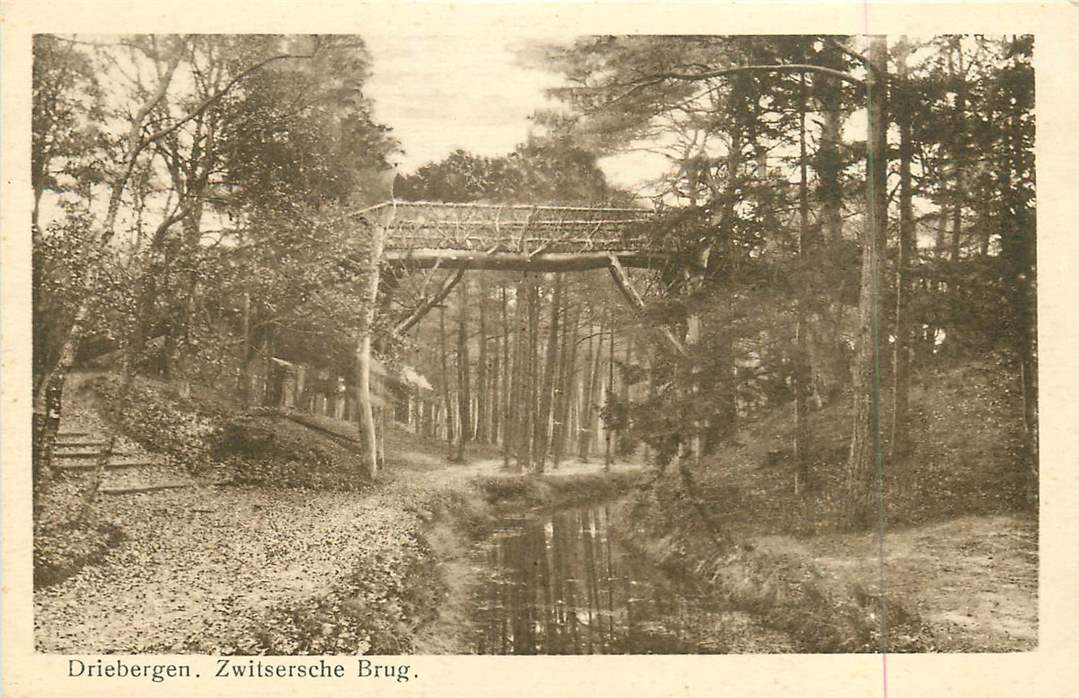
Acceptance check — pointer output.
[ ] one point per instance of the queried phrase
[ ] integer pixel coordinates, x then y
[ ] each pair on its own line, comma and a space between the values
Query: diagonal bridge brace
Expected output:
437, 297
614, 266
621, 280
427, 303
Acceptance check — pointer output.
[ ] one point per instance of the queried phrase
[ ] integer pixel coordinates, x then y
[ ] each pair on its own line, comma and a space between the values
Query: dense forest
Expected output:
193, 190
847, 227
824, 266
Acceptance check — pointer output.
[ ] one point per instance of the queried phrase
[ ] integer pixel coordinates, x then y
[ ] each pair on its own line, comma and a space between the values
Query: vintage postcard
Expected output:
404, 349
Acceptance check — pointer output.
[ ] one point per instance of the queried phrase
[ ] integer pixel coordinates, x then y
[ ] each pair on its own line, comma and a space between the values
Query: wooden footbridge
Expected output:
421, 235
407, 236
513, 237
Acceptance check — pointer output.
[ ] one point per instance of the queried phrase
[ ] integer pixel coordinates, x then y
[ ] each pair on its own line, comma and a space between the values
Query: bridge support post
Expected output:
368, 428
694, 278
388, 282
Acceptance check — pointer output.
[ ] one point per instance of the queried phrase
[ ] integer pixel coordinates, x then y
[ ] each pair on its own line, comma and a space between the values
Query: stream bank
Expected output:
255, 569
288, 559
963, 585
288, 564
401, 592
566, 580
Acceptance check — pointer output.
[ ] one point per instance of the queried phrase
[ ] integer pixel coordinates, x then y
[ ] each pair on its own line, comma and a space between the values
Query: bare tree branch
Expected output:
778, 68
206, 103
659, 78
840, 46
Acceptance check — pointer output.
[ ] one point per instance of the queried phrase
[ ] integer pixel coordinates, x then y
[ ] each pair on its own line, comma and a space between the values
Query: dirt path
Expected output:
206, 569
492, 467
972, 580
200, 564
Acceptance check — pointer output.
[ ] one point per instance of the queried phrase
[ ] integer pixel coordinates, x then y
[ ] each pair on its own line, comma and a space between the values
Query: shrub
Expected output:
273, 451
61, 551
63, 546
184, 429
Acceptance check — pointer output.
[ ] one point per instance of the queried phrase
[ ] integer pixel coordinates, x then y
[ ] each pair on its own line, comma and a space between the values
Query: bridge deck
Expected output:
514, 237
511, 229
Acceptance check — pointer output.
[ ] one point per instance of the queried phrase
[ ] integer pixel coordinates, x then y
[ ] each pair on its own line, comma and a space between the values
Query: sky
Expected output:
442, 91
439, 90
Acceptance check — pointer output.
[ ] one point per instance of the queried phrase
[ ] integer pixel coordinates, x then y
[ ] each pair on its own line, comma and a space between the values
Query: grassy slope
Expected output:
961, 543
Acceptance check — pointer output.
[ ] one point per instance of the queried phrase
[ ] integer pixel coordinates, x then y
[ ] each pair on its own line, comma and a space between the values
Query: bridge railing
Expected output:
512, 228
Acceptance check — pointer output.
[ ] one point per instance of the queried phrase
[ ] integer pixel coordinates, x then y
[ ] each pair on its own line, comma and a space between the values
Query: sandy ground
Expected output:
972, 580
198, 562
200, 568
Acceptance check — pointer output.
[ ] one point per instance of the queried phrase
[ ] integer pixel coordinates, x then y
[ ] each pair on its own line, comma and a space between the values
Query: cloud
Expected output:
443, 91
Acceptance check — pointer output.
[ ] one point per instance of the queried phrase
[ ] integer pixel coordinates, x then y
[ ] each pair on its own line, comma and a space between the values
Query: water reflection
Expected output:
562, 584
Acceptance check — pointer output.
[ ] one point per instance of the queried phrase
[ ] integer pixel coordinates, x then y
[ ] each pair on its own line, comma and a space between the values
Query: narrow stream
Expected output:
564, 583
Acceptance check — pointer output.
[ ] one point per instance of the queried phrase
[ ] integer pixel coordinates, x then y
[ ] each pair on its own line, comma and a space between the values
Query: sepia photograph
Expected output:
350, 351
319, 373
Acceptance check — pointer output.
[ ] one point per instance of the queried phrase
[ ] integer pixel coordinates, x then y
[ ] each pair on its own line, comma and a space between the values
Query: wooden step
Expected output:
89, 454
73, 435
111, 465
136, 460
136, 489
79, 444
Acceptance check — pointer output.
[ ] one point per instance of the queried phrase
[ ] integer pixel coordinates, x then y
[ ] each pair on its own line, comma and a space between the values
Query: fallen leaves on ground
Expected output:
238, 570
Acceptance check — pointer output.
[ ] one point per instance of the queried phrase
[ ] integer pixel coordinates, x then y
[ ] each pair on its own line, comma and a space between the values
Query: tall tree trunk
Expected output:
558, 390
939, 289
955, 333
864, 469
708, 432
621, 441
588, 419
567, 374
154, 275
448, 413
906, 254
985, 228
518, 403
1019, 262
531, 399
802, 370
482, 427
246, 351
959, 150
607, 454
576, 403
179, 357
143, 322
494, 401
941, 244
269, 337
550, 368
464, 391
367, 426
511, 382
829, 161
829, 194
585, 378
